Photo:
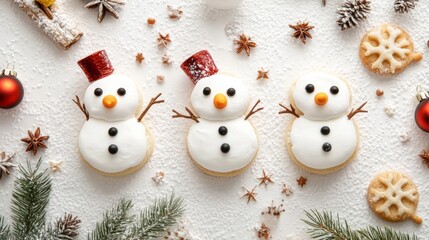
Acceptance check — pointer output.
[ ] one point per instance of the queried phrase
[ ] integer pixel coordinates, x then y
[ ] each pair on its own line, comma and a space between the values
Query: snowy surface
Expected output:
215, 210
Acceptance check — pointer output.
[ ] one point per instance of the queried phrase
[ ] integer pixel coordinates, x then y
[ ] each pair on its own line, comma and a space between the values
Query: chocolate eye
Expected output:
334, 90
230, 92
121, 91
207, 91
98, 92
309, 88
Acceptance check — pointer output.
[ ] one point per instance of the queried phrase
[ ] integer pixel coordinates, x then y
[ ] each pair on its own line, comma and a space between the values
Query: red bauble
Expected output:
11, 90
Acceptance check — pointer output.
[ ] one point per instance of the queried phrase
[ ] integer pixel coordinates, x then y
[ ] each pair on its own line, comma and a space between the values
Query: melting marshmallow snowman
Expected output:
112, 140
325, 138
223, 142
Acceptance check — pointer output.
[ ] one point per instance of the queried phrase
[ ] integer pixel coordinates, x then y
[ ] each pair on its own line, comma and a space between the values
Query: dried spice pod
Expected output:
60, 29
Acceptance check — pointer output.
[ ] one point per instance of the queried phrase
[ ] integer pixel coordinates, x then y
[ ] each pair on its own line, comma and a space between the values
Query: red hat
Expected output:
199, 65
96, 66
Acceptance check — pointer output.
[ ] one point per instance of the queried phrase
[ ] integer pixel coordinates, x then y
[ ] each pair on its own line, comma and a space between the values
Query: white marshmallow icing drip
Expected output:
387, 48
394, 195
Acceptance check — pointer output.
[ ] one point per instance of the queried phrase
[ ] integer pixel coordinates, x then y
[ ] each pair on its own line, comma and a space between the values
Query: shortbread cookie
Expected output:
113, 141
387, 49
394, 197
222, 142
322, 138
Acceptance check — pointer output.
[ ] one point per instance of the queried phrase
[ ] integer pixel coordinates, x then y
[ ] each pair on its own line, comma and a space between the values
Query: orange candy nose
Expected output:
321, 99
109, 101
220, 101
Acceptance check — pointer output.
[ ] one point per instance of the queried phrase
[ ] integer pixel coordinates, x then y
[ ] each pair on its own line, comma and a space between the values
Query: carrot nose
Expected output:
220, 101
321, 99
109, 101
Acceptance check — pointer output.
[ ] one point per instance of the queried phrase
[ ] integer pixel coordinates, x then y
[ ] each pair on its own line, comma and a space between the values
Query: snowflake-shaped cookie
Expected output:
394, 197
387, 49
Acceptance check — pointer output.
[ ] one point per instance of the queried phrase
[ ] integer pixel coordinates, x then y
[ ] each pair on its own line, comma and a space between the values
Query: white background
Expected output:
215, 210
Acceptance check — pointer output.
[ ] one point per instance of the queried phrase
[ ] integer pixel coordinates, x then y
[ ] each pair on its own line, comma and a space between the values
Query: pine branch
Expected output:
157, 218
377, 233
115, 222
4, 229
327, 227
29, 200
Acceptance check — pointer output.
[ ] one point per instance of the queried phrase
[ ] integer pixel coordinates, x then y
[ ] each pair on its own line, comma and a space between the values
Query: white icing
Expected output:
132, 142
394, 194
126, 106
387, 48
224, 4
337, 104
204, 142
220, 83
306, 142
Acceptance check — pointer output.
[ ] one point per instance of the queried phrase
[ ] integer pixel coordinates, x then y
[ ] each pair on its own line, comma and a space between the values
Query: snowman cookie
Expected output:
323, 137
222, 142
394, 197
113, 140
387, 49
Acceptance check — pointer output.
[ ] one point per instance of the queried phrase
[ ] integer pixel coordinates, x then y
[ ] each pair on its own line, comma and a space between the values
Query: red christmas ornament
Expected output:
422, 110
11, 89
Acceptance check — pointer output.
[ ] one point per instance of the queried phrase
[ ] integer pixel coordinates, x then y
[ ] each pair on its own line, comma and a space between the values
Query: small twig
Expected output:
358, 110
191, 115
81, 107
46, 10
288, 111
253, 111
324, 2
152, 102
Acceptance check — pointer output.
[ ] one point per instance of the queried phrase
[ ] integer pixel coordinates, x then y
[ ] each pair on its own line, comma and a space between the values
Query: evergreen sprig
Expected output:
4, 229
115, 222
326, 226
119, 223
29, 200
156, 218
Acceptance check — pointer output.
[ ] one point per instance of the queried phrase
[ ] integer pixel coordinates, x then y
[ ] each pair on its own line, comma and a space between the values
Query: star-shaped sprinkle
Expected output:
265, 179
301, 181
263, 232
250, 194
262, 74
159, 176
104, 6
301, 31
56, 165
174, 13
425, 157
6, 163
287, 190
163, 40
244, 43
35, 141
166, 59
139, 57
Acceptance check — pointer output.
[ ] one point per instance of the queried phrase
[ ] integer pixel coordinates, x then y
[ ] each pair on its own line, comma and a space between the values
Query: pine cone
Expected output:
351, 12
68, 226
404, 6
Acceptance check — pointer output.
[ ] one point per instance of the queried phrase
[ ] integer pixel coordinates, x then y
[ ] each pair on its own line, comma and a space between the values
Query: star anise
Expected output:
262, 74
244, 43
264, 232
250, 194
35, 141
139, 57
301, 31
163, 40
104, 6
425, 157
265, 179
301, 181
6, 163
174, 13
